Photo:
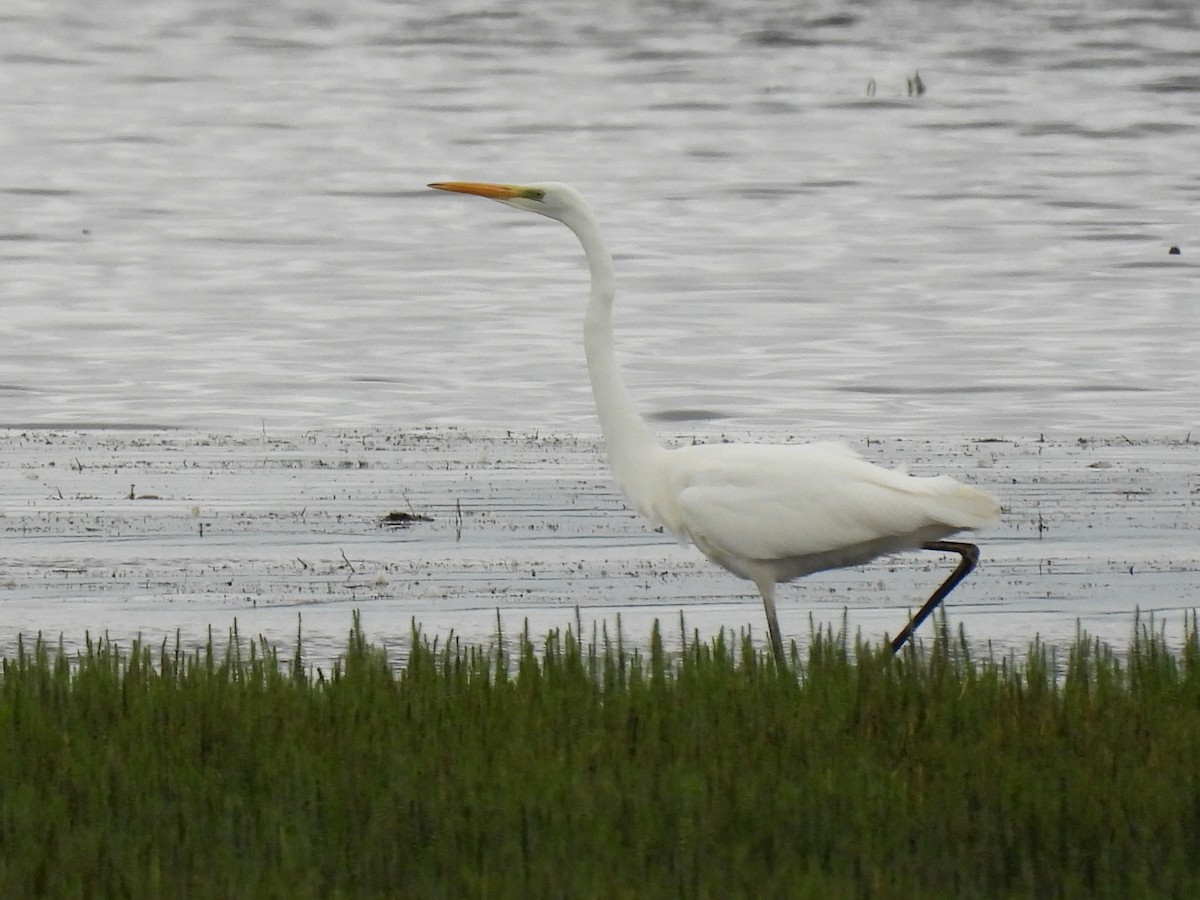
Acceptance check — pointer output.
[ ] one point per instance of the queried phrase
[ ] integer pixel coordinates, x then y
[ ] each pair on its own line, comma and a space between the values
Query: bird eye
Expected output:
535, 194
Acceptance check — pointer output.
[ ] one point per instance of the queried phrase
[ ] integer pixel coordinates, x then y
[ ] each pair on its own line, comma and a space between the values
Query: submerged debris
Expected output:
402, 519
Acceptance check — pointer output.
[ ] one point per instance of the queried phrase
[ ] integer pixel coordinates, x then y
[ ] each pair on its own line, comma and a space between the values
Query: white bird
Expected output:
769, 513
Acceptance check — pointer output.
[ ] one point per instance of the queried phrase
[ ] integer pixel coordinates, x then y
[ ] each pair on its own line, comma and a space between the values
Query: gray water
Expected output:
213, 215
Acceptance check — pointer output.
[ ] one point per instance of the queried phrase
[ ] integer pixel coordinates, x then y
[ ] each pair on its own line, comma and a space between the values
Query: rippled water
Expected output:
213, 214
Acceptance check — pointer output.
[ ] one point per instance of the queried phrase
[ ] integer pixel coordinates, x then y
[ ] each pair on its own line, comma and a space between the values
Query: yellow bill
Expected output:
491, 191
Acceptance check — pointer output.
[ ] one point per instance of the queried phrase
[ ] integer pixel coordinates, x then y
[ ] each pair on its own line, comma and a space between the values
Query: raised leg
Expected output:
970, 556
767, 589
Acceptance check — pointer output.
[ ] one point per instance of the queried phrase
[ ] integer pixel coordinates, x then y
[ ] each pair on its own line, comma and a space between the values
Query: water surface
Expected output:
215, 217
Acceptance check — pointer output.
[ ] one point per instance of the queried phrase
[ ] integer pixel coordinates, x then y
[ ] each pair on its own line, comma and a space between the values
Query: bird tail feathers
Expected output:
962, 505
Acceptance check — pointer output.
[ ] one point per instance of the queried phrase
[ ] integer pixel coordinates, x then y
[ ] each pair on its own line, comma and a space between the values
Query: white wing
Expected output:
809, 507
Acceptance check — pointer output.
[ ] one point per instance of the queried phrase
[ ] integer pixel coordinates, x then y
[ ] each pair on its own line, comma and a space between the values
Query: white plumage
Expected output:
766, 512
801, 509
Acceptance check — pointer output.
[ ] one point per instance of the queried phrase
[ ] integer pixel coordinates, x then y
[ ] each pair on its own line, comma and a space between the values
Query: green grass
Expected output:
586, 770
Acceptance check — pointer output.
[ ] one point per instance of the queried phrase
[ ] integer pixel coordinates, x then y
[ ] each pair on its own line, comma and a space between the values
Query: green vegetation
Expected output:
586, 770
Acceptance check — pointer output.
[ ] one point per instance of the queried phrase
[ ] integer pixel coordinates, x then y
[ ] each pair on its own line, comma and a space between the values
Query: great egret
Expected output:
769, 513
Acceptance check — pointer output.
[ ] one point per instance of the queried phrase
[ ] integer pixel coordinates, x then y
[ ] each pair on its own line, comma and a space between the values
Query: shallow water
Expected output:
214, 219
165, 534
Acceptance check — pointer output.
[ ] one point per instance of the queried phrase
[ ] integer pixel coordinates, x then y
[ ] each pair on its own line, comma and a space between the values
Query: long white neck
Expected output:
634, 453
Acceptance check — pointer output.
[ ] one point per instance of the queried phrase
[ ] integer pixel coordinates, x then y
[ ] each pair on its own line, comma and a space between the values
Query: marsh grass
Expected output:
586, 769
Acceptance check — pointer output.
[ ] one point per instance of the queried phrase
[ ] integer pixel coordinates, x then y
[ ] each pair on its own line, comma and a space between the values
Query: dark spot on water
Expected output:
1174, 251
402, 519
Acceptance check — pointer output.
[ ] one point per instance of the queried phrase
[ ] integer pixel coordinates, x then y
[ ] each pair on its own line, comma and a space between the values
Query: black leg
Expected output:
970, 556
